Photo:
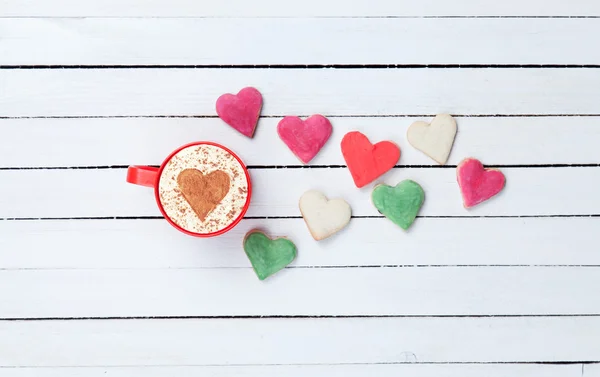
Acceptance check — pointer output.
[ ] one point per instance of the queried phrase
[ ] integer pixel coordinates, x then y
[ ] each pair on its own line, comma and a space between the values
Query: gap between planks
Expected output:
290, 317
484, 17
301, 116
304, 66
589, 215
259, 167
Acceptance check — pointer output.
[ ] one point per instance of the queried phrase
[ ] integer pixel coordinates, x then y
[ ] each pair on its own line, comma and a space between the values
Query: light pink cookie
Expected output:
476, 183
241, 111
305, 137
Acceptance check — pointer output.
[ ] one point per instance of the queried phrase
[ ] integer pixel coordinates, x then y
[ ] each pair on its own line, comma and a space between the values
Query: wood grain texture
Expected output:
93, 193
265, 341
309, 8
315, 291
294, 92
149, 244
592, 370
81, 41
504, 141
419, 370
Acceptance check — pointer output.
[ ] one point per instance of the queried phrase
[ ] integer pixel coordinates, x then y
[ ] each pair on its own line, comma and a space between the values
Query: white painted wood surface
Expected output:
309, 341
341, 41
21, 198
591, 370
129, 92
357, 291
149, 140
93, 282
308, 8
417, 370
146, 244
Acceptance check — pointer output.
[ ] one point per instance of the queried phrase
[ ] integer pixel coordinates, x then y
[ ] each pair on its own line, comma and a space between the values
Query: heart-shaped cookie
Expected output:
241, 111
203, 192
400, 203
324, 217
435, 139
268, 256
304, 137
366, 161
476, 183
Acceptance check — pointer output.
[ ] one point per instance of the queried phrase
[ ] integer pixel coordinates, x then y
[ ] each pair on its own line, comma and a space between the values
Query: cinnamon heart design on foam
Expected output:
241, 111
305, 137
203, 192
368, 161
476, 183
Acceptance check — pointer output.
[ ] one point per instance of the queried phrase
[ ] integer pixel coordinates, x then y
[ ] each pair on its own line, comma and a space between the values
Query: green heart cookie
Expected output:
266, 255
400, 203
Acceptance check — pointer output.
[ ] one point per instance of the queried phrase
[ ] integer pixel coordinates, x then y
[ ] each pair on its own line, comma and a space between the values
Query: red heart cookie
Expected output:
366, 161
304, 138
241, 111
476, 183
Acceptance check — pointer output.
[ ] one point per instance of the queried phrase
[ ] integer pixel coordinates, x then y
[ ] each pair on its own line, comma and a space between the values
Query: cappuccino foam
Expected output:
206, 159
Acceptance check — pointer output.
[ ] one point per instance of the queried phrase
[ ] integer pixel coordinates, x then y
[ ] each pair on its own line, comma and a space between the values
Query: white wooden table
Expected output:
94, 283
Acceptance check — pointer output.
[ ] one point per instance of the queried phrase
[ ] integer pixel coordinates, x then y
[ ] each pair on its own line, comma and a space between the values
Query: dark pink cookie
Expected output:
476, 183
241, 111
304, 138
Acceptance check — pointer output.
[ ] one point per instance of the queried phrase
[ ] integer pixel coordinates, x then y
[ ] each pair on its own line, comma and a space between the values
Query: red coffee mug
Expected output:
151, 177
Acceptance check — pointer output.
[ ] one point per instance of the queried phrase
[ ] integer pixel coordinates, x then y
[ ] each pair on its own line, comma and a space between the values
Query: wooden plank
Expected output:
88, 92
84, 142
256, 342
308, 8
93, 193
153, 244
415, 370
305, 291
591, 370
84, 41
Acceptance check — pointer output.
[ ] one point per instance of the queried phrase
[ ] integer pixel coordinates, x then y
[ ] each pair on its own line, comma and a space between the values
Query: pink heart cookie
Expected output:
476, 183
241, 111
305, 138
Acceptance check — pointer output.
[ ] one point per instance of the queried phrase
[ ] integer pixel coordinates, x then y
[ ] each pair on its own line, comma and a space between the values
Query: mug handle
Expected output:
142, 175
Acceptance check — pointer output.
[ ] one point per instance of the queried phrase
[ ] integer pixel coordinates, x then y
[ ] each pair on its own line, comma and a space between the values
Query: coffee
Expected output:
203, 189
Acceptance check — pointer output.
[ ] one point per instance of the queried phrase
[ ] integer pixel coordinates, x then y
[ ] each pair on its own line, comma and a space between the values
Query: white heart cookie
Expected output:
435, 139
324, 217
